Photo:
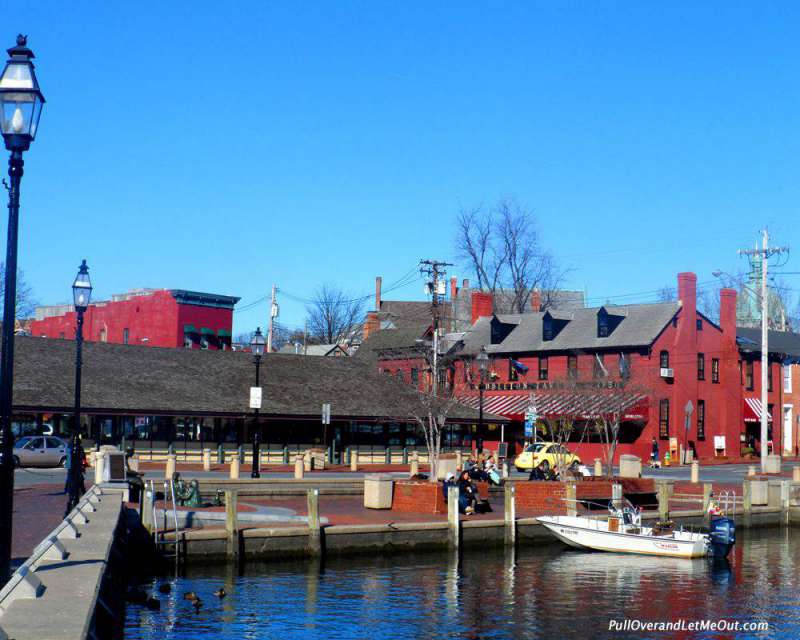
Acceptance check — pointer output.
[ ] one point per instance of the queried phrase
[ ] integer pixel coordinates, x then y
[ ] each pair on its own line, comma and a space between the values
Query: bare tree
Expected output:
26, 303
333, 315
503, 249
562, 428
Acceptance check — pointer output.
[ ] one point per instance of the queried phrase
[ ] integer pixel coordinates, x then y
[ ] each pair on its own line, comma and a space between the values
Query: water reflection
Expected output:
540, 592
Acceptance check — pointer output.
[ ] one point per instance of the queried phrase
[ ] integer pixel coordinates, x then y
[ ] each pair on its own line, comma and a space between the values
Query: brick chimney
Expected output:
378, 281
727, 312
536, 300
687, 293
453, 288
372, 324
482, 304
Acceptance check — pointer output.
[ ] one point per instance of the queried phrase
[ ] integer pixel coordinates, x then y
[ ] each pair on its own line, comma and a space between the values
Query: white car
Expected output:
40, 451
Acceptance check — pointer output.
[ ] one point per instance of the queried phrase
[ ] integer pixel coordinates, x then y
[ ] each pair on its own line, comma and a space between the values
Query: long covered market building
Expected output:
153, 397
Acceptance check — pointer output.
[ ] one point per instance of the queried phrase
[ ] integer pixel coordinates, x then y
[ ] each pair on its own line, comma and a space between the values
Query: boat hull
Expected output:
582, 533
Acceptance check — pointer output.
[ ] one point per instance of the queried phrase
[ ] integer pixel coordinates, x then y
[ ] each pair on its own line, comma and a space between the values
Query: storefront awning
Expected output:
189, 328
752, 410
633, 406
224, 333
207, 332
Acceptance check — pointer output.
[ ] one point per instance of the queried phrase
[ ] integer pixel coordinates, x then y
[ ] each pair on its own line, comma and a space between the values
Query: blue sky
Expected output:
224, 147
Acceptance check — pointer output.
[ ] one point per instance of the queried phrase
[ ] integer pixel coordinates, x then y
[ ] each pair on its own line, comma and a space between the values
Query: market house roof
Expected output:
132, 379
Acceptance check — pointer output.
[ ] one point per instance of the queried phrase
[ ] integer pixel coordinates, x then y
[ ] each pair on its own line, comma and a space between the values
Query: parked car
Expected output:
40, 451
545, 455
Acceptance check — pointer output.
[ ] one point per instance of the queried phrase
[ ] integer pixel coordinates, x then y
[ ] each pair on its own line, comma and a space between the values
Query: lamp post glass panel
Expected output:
81, 296
257, 347
21, 104
483, 361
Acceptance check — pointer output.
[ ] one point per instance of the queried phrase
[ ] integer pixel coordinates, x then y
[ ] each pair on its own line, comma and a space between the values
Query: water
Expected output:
546, 591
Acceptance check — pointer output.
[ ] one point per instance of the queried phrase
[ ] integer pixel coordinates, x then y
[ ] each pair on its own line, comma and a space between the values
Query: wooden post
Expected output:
572, 494
147, 507
206, 459
452, 517
231, 522
706, 500
663, 502
414, 468
314, 530
354, 460
695, 472
235, 468
510, 514
786, 493
598, 468
747, 502
98, 466
299, 467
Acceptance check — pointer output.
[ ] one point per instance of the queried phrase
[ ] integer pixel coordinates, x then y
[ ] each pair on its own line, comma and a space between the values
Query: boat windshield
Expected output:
536, 447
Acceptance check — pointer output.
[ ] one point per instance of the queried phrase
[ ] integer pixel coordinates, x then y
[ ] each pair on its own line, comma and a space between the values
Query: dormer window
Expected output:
547, 328
602, 326
607, 322
553, 323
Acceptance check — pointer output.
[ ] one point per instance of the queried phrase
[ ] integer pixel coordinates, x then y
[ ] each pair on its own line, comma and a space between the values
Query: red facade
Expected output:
692, 359
160, 318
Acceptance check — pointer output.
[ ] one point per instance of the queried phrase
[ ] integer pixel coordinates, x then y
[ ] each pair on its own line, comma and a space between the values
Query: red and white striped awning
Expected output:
752, 410
550, 405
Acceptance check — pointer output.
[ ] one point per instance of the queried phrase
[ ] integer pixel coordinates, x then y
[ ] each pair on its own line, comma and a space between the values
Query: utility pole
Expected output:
764, 253
434, 269
273, 313
305, 338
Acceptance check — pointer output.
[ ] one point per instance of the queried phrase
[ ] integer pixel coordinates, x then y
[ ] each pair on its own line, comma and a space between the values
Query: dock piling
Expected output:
663, 502
510, 512
747, 501
452, 517
314, 529
232, 522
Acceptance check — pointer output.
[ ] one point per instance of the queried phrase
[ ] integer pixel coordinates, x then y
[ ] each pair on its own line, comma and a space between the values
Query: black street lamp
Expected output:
81, 295
20, 107
257, 347
483, 361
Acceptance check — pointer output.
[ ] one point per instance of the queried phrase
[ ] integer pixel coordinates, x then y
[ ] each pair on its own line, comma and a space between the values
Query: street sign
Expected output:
528, 429
326, 413
689, 407
255, 397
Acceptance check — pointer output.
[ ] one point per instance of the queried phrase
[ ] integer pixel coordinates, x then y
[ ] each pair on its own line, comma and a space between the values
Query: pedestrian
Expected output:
467, 494
654, 452
68, 466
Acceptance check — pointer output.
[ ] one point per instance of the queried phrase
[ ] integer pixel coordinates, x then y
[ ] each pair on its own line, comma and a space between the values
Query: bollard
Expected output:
796, 474
751, 470
231, 522
169, 471
286, 455
616, 495
98, 467
695, 472
459, 460
307, 460
747, 502
571, 498
353, 459
235, 468
299, 467
414, 468
314, 531
170, 449
663, 502
452, 517
510, 513
220, 455
598, 468
206, 459
706, 500
505, 468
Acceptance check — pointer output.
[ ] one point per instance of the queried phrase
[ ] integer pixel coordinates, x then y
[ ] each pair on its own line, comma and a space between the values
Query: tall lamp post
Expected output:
81, 295
20, 108
257, 347
483, 362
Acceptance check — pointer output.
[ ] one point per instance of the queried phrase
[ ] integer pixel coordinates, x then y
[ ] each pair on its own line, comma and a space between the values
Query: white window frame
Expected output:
787, 368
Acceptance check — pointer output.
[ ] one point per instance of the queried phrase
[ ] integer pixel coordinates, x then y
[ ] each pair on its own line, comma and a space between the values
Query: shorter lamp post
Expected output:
257, 347
483, 362
81, 295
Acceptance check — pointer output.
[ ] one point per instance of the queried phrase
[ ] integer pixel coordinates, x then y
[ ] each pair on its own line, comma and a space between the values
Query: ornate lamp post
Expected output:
20, 107
483, 362
257, 347
81, 295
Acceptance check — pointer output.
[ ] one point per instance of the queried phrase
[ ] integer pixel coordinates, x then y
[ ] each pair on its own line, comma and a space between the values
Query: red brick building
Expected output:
151, 317
663, 355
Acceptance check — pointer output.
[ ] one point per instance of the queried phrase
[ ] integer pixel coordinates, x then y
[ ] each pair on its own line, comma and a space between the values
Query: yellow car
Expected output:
546, 456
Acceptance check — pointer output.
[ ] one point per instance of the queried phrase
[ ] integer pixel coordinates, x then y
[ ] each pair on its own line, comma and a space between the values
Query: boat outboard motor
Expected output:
722, 536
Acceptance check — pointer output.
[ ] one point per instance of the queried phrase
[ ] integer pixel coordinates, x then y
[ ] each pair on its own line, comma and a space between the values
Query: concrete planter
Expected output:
630, 466
378, 491
773, 464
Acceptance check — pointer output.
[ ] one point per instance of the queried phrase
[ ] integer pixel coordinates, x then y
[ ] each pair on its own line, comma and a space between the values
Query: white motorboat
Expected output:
623, 532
